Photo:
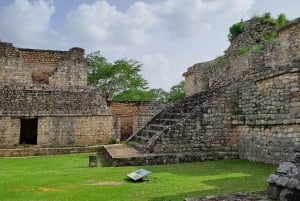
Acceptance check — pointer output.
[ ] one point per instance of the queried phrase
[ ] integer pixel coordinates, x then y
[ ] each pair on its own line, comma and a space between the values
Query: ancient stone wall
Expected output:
149, 112
45, 101
77, 130
60, 130
127, 111
13, 69
270, 130
27, 66
256, 108
206, 128
284, 50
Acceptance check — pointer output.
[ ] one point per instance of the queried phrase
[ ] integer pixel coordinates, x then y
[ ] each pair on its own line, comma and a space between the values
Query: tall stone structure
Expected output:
246, 101
45, 101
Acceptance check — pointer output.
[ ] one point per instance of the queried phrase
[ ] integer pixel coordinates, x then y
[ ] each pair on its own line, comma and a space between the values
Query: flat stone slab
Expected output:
125, 155
122, 151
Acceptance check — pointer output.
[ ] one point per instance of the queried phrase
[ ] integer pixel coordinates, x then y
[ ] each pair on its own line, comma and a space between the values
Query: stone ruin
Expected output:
45, 100
284, 184
244, 105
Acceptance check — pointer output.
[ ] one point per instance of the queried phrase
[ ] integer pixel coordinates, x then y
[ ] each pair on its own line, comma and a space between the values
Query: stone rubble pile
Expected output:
284, 184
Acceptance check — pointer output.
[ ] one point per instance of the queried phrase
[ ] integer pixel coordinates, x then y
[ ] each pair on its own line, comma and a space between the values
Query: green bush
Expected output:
281, 20
269, 37
220, 58
243, 50
235, 30
257, 47
112, 141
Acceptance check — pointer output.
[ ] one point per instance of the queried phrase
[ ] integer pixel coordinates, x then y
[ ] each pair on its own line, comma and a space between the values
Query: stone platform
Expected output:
125, 155
20, 151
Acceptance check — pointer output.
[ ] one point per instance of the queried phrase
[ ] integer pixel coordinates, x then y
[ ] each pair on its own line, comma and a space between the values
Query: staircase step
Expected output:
159, 127
169, 120
151, 133
141, 139
138, 146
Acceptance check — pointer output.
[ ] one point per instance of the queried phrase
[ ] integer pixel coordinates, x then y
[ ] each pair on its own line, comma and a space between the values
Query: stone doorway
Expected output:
28, 134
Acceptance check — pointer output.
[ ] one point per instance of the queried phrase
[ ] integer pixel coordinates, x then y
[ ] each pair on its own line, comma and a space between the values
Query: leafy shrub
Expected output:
267, 17
112, 141
235, 30
269, 37
258, 47
281, 20
243, 50
220, 58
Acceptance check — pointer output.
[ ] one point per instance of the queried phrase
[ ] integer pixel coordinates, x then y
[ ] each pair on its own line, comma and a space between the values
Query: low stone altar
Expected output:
284, 184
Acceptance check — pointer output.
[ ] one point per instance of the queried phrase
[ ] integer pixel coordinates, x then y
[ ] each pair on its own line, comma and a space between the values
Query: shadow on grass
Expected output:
220, 187
210, 168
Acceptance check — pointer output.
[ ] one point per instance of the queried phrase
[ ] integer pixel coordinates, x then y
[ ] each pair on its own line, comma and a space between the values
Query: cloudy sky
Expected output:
166, 36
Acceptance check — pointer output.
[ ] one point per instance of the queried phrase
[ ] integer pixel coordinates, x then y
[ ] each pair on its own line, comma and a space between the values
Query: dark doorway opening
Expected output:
29, 131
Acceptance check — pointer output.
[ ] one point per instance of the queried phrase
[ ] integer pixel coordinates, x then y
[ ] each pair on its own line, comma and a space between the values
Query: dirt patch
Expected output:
46, 189
105, 183
243, 196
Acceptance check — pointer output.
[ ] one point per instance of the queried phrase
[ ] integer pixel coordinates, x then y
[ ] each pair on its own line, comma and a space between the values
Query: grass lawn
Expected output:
68, 178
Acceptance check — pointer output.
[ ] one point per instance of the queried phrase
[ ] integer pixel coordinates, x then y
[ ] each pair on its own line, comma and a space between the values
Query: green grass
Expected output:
67, 178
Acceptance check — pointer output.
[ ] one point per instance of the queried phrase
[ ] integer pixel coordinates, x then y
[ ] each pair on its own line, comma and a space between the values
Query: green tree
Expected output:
135, 95
177, 92
281, 20
235, 30
121, 76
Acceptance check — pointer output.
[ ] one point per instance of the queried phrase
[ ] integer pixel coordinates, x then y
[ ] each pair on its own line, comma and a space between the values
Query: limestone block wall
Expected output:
208, 128
59, 68
9, 131
284, 50
270, 129
44, 101
149, 112
19, 66
75, 130
69, 73
60, 130
127, 111
13, 69
216, 74
65, 116
262, 121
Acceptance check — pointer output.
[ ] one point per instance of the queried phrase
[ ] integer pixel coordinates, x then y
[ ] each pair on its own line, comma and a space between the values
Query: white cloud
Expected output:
164, 32
188, 18
27, 23
156, 70
101, 24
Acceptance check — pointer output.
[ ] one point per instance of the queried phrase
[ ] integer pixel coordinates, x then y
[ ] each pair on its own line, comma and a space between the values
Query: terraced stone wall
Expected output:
271, 118
52, 67
66, 116
45, 101
261, 111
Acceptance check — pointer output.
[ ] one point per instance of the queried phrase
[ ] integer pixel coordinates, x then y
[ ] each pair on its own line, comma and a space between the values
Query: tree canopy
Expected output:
114, 78
177, 92
122, 81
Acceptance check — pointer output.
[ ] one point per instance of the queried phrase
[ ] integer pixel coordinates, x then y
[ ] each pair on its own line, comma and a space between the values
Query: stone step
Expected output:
171, 115
157, 127
169, 120
139, 146
151, 133
141, 139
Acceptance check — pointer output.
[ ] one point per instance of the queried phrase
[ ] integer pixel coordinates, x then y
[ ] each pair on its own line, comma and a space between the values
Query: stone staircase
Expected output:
171, 116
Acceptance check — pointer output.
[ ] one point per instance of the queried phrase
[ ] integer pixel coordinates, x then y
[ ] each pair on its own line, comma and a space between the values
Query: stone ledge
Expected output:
40, 151
124, 155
